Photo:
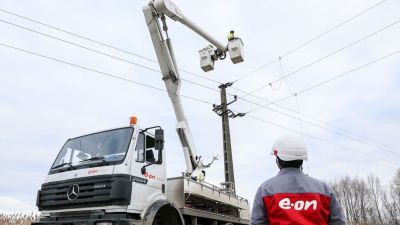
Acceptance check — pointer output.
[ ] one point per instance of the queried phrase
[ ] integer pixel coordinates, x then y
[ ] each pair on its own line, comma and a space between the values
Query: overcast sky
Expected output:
43, 103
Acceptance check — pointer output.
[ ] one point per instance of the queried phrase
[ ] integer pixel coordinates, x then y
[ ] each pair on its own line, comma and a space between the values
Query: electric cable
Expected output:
324, 57
327, 129
191, 73
127, 61
327, 81
311, 40
162, 90
212, 80
103, 44
100, 52
313, 118
98, 71
326, 141
282, 71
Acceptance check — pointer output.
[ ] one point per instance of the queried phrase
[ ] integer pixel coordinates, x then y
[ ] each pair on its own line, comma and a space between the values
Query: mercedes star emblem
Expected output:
73, 192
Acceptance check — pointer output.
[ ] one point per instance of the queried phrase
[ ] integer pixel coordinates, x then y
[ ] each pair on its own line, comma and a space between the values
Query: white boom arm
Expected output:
172, 11
154, 15
169, 70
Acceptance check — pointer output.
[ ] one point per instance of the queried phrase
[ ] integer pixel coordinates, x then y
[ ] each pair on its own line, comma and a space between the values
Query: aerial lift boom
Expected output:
155, 13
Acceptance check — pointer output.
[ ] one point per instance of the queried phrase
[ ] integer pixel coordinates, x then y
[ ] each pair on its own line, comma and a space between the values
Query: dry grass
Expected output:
18, 219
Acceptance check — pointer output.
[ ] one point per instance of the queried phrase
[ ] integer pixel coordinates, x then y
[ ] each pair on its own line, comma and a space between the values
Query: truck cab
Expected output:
114, 172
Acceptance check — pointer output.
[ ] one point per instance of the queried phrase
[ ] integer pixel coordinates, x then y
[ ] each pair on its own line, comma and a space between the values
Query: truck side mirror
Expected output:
159, 139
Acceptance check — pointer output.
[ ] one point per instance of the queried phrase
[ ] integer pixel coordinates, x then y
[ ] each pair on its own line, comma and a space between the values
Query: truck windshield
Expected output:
108, 147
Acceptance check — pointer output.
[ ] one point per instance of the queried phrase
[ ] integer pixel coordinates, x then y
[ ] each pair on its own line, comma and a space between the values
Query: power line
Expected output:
313, 118
100, 52
344, 132
326, 56
327, 81
133, 63
105, 54
324, 140
101, 43
134, 54
340, 75
327, 129
98, 71
162, 90
78, 45
310, 41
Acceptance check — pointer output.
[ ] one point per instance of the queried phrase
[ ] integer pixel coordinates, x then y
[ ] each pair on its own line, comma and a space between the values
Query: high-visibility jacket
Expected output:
230, 36
200, 177
293, 198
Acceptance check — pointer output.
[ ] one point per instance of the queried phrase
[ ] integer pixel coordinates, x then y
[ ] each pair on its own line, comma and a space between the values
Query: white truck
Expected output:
118, 176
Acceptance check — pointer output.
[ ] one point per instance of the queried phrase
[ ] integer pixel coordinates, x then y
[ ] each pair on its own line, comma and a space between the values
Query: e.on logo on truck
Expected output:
297, 205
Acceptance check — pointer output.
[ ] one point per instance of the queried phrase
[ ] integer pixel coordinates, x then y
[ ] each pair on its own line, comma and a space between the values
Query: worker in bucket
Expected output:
201, 176
292, 197
231, 35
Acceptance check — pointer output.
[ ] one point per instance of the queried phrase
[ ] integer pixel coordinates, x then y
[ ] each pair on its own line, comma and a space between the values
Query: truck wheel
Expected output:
167, 215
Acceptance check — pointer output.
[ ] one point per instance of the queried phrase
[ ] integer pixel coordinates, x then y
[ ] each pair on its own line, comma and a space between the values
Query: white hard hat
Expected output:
289, 148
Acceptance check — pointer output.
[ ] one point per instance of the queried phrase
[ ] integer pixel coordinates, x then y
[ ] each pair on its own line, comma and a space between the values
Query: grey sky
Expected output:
42, 103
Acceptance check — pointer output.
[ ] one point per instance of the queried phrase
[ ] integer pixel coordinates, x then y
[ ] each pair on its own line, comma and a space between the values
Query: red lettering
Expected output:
92, 171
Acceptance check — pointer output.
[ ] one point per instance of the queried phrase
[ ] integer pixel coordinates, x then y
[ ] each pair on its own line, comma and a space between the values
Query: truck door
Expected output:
151, 183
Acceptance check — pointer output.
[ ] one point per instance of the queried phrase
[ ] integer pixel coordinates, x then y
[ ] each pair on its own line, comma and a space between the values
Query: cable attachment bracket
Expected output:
222, 109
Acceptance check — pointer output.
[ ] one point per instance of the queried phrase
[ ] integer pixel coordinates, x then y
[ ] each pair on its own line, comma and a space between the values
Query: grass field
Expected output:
17, 219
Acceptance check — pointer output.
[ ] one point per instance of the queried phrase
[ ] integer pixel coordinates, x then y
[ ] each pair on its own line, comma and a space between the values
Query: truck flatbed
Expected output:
202, 199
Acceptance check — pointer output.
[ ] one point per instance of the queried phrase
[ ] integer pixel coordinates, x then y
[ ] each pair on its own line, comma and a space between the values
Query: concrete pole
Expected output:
228, 161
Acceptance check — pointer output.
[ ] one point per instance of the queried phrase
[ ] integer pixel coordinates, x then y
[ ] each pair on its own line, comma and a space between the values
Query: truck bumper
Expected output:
89, 222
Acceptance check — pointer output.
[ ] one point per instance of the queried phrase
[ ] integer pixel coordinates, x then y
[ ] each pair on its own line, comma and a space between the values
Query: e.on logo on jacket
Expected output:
299, 205
293, 198
304, 208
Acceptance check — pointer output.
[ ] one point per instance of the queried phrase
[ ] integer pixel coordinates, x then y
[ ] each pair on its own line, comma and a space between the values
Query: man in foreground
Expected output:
293, 198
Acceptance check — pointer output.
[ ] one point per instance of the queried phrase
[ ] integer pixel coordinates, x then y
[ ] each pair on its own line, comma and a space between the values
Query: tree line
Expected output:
367, 201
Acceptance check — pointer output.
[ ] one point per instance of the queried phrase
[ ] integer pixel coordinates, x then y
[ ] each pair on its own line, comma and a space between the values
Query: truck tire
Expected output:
163, 212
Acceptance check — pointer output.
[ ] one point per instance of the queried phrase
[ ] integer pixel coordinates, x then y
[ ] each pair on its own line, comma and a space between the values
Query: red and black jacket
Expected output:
293, 198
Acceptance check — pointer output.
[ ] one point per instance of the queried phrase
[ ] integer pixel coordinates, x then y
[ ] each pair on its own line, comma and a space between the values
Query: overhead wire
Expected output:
327, 81
97, 71
206, 78
282, 71
336, 129
310, 41
313, 118
325, 141
324, 57
387, 149
100, 52
162, 90
133, 63
102, 43
145, 67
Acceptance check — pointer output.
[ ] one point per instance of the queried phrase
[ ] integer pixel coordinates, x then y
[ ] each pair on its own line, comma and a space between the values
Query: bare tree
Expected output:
393, 206
376, 192
355, 199
367, 202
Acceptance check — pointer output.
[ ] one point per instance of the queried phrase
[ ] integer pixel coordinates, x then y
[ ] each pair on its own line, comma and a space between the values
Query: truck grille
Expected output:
85, 192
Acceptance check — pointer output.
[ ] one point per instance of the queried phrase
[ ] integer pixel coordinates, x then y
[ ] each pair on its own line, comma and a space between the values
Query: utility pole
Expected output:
225, 113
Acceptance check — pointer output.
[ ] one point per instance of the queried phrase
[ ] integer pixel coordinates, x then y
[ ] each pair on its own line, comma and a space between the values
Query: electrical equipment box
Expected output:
235, 48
